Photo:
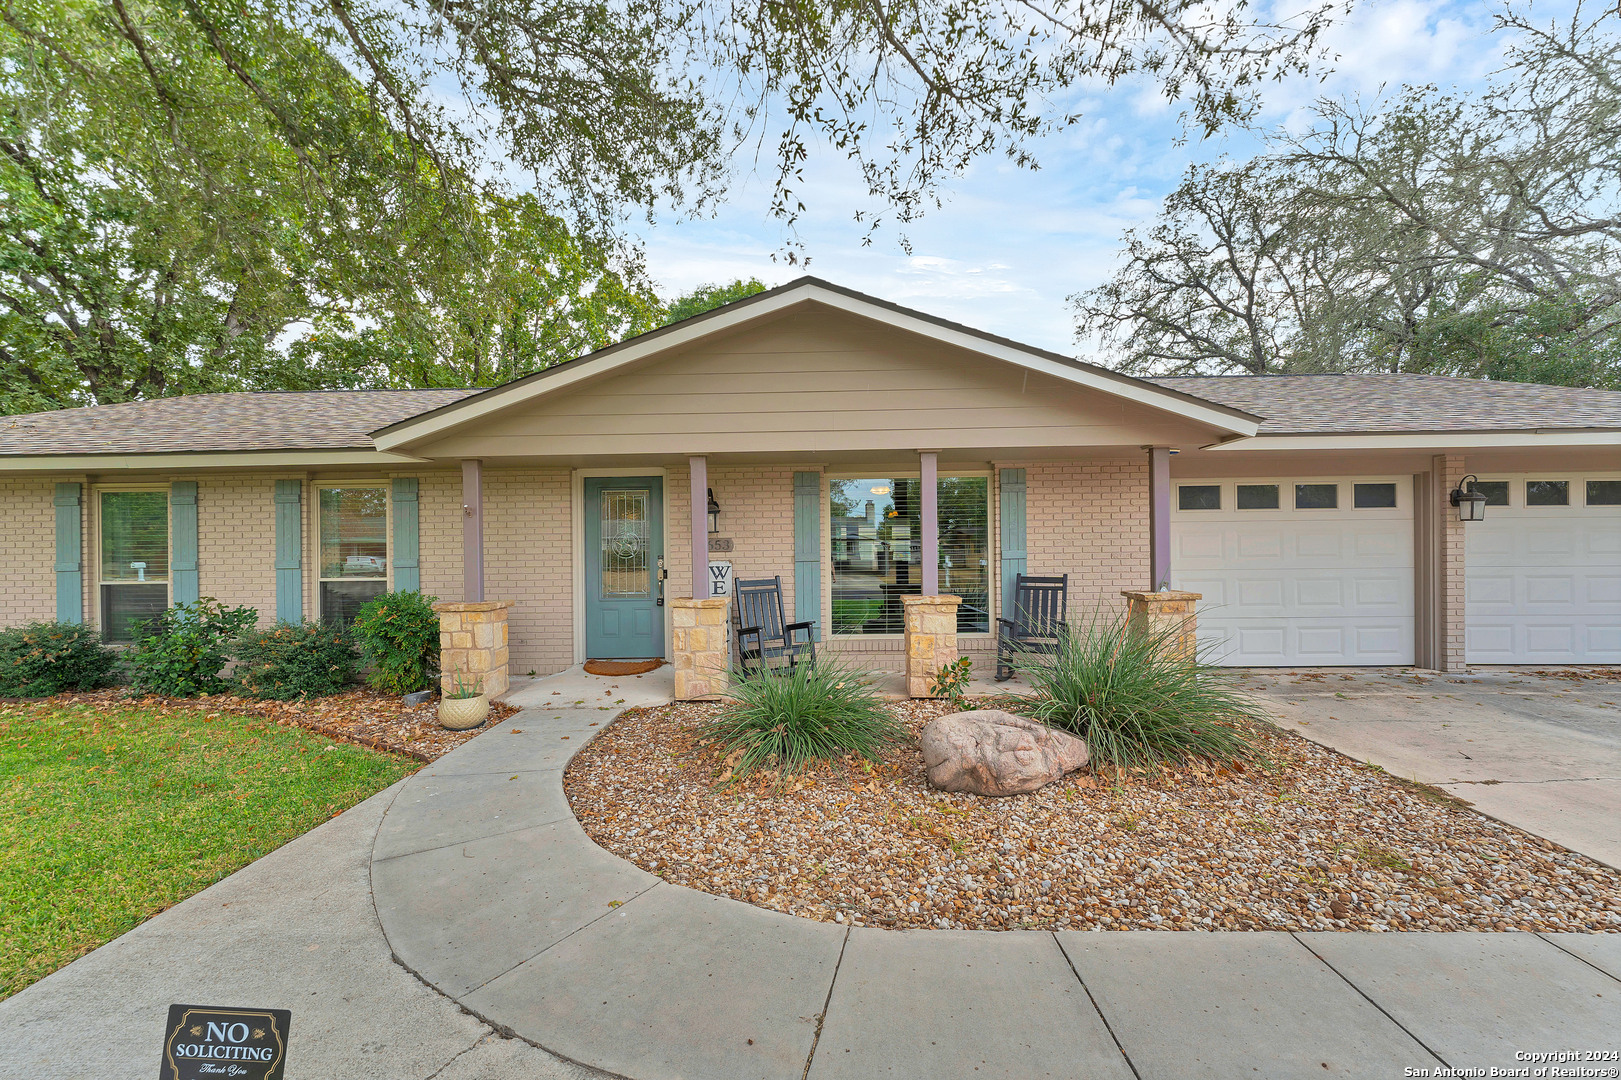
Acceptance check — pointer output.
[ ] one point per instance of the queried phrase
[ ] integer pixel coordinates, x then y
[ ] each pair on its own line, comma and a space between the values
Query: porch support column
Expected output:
1159, 518
929, 512
472, 531
699, 468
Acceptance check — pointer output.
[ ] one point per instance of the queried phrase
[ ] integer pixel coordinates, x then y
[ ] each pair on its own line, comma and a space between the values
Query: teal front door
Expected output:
624, 550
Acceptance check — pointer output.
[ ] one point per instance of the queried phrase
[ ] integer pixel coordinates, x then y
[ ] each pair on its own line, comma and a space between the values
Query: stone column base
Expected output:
931, 639
700, 647
1172, 614
473, 644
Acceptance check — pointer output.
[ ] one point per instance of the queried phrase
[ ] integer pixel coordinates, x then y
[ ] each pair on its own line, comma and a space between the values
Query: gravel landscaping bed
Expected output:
1304, 839
363, 717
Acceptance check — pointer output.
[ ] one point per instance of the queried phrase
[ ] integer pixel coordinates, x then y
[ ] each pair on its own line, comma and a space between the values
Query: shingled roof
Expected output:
1336, 404
201, 423
345, 419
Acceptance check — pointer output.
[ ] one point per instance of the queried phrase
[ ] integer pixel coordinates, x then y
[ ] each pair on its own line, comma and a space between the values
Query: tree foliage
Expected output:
1471, 236
204, 195
709, 297
198, 200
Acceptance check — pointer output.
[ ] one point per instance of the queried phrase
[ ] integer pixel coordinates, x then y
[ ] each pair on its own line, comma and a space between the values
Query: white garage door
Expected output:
1543, 577
1298, 571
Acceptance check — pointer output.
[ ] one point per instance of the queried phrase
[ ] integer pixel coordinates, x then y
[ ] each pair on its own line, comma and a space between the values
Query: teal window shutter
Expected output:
69, 552
808, 548
1013, 543
407, 572
289, 551
183, 586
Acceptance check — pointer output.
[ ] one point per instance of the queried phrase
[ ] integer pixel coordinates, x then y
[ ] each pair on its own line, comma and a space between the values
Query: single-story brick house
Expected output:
862, 451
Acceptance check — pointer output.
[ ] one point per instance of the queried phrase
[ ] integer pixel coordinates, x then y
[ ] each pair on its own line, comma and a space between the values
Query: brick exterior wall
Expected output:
236, 541
28, 550
439, 534
528, 559
757, 513
1089, 520
1448, 470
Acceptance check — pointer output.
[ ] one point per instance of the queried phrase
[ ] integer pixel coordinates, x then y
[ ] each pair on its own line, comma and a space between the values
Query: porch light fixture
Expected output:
714, 513
1471, 504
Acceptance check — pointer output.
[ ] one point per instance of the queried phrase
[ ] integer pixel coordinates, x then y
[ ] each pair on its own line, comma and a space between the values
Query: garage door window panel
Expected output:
1496, 491
1257, 496
1604, 493
1374, 496
1198, 497
1317, 496
1547, 493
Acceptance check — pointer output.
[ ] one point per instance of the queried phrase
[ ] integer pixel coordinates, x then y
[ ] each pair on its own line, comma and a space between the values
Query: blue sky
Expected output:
1010, 245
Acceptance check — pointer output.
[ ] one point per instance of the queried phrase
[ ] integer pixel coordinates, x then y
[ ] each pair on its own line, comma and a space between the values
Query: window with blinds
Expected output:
353, 555
876, 530
134, 560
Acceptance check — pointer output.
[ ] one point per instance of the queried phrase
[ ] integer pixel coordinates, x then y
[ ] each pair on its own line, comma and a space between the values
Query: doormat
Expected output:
621, 667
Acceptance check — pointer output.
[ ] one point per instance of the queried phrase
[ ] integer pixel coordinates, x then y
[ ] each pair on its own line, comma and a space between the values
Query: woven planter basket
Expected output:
459, 714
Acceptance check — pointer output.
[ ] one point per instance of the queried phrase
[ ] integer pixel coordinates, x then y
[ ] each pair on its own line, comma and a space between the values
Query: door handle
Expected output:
659, 577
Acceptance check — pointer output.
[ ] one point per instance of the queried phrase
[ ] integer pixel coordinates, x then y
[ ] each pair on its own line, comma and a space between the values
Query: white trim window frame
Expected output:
322, 579
142, 577
831, 478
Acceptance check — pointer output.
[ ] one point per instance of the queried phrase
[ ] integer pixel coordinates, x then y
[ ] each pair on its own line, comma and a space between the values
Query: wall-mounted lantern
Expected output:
714, 513
1471, 504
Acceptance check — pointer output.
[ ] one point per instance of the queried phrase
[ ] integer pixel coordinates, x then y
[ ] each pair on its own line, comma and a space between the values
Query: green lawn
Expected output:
110, 815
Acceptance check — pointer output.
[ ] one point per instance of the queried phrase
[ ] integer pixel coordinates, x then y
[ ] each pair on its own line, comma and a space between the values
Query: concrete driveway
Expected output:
1540, 752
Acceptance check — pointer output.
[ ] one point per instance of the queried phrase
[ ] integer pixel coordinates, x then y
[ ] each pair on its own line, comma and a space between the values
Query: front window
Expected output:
134, 570
354, 550
877, 547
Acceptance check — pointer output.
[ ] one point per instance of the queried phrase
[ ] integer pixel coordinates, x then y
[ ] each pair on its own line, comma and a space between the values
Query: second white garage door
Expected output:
1298, 571
1543, 577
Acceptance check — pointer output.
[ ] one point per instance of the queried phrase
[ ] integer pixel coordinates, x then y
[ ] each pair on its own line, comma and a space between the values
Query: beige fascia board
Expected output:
1479, 440
408, 432
245, 459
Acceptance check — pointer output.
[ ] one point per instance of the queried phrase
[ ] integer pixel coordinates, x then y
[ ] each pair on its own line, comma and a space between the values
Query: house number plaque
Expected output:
203, 1042
720, 543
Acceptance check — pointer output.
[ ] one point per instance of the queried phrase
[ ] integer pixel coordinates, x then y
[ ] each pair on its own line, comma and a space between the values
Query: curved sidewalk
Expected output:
490, 891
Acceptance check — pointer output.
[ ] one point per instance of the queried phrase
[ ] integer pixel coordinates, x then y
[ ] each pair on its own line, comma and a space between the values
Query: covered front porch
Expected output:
863, 454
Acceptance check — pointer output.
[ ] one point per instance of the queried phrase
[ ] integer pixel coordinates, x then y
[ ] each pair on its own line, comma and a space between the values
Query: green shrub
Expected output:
181, 651
814, 713
295, 660
398, 634
46, 658
1134, 701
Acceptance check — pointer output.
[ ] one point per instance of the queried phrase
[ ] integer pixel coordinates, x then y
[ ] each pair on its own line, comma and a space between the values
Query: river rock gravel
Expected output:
1304, 839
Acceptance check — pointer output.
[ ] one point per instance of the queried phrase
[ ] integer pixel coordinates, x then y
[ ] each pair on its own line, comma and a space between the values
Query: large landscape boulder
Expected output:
990, 752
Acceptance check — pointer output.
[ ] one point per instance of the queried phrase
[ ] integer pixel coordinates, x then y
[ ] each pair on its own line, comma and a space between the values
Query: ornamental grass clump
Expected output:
1135, 701
787, 720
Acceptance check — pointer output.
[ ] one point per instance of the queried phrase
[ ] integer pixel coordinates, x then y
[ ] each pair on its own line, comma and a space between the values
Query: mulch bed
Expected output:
1305, 839
363, 717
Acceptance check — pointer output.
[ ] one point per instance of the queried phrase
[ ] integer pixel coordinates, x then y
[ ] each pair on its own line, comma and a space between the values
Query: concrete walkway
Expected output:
488, 888
1539, 752
296, 930
474, 875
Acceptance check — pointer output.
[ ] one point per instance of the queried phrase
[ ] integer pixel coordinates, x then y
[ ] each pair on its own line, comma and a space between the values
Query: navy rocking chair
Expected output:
764, 637
1040, 618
